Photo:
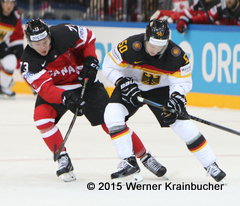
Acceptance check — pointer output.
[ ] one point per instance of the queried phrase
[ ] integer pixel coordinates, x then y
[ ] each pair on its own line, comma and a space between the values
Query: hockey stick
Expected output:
154, 104
56, 155
204, 9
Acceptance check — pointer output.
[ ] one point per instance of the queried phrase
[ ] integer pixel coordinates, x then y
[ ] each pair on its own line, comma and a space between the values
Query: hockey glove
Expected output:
89, 70
70, 99
4, 50
174, 107
182, 25
130, 91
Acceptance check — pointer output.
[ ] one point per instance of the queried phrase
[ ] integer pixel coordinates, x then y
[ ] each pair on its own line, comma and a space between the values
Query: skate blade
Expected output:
223, 181
165, 177
3, 96
136, 177
68, 177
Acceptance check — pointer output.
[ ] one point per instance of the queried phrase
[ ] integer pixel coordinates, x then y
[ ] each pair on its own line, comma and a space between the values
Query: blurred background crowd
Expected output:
97, 10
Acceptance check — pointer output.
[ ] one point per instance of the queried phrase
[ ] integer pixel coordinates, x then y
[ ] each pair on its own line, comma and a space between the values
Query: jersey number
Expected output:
24, 66
185, 58
123, 46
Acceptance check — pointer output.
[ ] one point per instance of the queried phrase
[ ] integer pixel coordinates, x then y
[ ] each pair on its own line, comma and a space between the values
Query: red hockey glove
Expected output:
182, 25
70, 99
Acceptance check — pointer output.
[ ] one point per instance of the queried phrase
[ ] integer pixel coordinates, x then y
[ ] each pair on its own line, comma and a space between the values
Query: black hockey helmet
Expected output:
157, 32
36, 30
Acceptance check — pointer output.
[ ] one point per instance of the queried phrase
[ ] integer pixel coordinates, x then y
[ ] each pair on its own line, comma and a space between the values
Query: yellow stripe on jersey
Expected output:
121, 64
6, 28
151, 69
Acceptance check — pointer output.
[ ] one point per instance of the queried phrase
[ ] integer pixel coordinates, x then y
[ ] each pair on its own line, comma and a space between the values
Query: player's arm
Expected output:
181, 80
42, 83
180, 84
16, 39
85, 47
203, 18
114, 62
113, 65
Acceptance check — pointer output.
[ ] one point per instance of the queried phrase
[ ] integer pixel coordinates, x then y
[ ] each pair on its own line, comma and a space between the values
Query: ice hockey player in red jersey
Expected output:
225, 13
55, 63
154, 67
11, 44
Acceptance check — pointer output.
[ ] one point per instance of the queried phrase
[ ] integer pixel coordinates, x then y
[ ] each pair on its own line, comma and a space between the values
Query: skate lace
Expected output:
213, 170
62, 162
123, 164
153, 164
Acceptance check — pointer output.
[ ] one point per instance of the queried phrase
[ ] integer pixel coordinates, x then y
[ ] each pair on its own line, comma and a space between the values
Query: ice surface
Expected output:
27, 169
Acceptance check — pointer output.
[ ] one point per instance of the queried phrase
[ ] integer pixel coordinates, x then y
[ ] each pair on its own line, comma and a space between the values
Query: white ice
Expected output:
27, 169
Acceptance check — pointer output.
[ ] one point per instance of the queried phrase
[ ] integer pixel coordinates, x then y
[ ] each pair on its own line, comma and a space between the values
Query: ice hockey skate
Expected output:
154, 166
6, 93
65, 168
128, 171
216, 173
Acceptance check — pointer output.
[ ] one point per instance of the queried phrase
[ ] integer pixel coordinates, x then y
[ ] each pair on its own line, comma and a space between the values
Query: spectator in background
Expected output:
226, 13
198, 7
11, 44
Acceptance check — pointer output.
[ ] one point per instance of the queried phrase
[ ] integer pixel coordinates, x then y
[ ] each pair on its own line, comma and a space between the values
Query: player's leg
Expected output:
97, 99
45, 119
121, 137
198, 145
139, 148
8, 65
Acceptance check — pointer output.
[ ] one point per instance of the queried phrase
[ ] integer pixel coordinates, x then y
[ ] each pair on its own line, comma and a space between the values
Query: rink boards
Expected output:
213, 52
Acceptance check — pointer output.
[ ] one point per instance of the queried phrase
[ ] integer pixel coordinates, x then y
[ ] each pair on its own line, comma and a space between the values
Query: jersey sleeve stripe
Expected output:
39, 88
15, 43
122, 64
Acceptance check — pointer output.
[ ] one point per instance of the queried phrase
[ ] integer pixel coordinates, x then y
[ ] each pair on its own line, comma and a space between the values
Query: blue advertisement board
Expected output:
214, 52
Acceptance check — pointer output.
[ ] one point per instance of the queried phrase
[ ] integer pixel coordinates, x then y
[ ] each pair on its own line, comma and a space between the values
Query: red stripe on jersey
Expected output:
151, 69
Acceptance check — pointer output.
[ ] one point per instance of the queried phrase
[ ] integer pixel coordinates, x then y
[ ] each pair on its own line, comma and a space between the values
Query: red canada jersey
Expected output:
58, 71
219, 15
11, 31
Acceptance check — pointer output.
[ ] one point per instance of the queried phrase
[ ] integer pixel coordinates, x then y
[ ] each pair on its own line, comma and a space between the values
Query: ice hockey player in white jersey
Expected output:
11, 45
154, 67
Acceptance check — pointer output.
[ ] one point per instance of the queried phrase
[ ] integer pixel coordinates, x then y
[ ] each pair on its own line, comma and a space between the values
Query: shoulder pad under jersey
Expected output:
66, 36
